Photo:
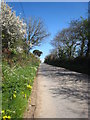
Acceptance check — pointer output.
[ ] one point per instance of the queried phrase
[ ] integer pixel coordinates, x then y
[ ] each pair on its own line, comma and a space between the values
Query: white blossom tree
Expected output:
13, 28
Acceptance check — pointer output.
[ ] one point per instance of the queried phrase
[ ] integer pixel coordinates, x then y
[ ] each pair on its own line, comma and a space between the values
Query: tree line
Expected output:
71, 44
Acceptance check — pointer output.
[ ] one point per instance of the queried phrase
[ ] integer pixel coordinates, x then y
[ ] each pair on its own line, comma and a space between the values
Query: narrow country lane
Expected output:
61, 93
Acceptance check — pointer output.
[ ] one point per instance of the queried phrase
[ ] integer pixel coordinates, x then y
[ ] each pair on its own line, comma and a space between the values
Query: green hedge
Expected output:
78, 64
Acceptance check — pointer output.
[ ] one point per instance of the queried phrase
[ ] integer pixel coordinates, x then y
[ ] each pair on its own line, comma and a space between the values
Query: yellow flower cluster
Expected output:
25, 95
14, 95
29, 86
3, 111
6, 117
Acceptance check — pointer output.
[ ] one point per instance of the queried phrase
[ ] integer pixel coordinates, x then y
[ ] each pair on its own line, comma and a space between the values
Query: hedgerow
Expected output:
17, 82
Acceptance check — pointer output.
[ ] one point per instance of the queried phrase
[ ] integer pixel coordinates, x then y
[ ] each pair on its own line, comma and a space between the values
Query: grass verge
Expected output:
17, 82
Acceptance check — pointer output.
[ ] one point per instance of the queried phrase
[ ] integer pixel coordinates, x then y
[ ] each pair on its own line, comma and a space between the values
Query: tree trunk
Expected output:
88, 49
69, 52
82, 48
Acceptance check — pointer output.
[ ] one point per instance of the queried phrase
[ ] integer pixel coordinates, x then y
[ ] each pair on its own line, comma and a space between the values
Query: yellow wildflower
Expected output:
4, 117
15, 92
3, 111
25, 95
14, 95
9, 117
29, 86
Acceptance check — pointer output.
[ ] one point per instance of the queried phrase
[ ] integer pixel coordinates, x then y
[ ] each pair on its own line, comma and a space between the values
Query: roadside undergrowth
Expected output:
17, 82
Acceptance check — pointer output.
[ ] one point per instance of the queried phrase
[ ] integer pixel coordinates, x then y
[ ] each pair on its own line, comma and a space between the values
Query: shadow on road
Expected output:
69, 84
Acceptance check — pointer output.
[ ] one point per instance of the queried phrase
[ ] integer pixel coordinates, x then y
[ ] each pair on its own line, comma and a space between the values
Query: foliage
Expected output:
71, 47
17, 85
81, 32
36, 32
13, 28
37, 53
78, 64
18, 68
72, 41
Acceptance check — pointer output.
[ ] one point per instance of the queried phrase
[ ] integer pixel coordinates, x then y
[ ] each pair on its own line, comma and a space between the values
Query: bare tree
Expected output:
81, 32
36, 32
64, 42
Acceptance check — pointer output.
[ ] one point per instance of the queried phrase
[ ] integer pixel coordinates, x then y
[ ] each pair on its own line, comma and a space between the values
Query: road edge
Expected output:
30, 110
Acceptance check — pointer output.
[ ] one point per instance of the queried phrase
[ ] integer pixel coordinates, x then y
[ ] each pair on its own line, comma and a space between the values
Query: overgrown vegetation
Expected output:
17, 85
37, 53
19, 66
72, 47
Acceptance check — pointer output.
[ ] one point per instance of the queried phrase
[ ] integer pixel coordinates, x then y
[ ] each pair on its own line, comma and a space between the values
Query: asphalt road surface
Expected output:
61, 93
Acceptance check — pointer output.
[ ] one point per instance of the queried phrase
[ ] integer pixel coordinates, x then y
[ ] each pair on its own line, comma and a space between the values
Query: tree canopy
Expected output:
37, 53
72, 41
13, 28
36, 32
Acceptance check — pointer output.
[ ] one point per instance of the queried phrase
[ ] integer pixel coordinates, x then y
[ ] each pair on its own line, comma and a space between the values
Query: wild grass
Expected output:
17, 82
